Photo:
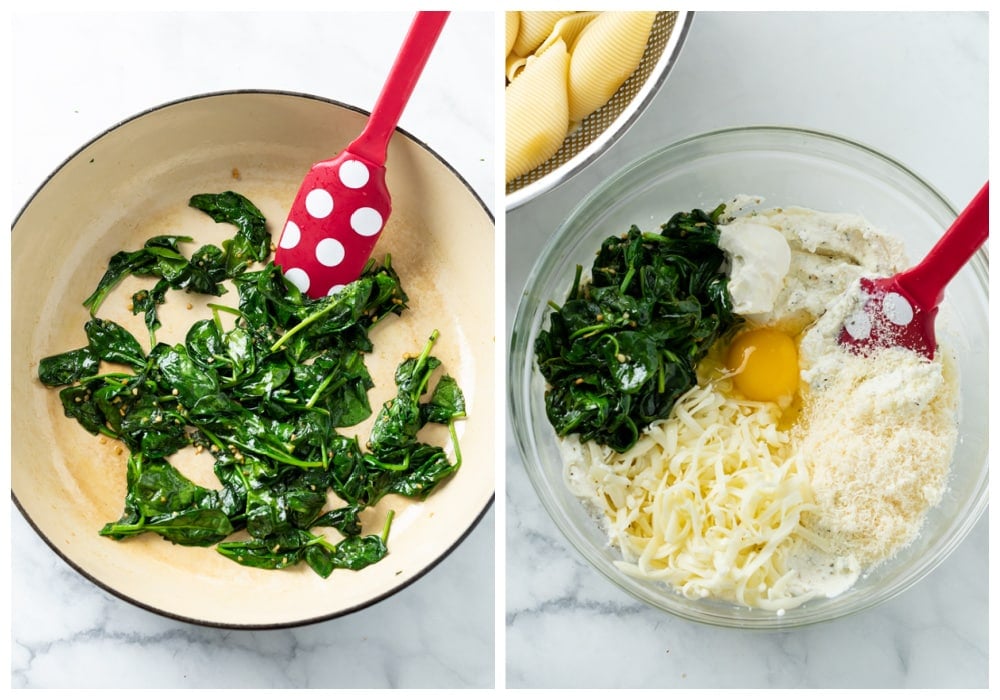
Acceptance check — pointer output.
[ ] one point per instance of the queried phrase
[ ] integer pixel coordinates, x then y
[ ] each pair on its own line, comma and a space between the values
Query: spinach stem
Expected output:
320, 389
422, 361
304, 323
388, 522
109, 377
215, 440
455, 443
228, 309
577, 276
273, 454
388, 466
588, 331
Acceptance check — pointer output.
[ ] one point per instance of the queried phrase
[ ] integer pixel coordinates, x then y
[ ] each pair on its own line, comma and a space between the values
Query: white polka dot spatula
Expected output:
343, 203
900, 310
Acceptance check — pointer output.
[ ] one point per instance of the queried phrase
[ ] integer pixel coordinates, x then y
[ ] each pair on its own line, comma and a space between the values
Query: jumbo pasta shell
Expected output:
568, 29
605, 54
513, 25
515, 64
534, 28
537, 109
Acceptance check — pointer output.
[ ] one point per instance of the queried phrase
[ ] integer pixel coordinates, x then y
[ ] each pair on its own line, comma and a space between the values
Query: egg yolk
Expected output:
770, 365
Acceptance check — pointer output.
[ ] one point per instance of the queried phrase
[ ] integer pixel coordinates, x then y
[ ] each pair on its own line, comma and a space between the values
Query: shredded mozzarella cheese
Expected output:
709, 501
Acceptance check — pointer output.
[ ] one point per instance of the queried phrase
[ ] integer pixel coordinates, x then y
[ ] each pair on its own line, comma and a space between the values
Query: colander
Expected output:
602, 128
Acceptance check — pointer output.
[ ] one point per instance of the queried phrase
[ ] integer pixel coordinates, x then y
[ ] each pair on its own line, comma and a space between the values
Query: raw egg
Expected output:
769, 362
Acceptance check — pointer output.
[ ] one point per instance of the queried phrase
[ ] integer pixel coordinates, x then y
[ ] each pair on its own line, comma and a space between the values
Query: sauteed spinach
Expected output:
264, 392
623, 347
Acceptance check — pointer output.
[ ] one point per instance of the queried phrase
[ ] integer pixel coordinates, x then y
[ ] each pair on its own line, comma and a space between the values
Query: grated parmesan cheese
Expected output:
879, 433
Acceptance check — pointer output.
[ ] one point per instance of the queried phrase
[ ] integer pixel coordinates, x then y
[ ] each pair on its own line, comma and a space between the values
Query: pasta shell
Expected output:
568, 29
605, 54
515, 64
513, 25
534, 27
537, 111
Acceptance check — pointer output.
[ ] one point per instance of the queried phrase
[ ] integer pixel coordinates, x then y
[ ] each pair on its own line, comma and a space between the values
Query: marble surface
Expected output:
75, 75
911, 85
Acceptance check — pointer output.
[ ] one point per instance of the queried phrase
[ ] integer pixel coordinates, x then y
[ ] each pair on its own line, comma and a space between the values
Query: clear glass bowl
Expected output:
786, 167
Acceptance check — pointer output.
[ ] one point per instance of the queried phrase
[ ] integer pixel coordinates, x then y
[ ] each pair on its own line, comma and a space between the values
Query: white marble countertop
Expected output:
914, 86
77, 75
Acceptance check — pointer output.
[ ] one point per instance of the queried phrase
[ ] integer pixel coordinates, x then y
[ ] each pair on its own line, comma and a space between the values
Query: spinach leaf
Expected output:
400, 418
398, 462
160, 499
151, 428
147, 302
179, 375
447, 403
192, 528
337, 382
114, 343
272, 553
354, 552
68, 367
78, 403
345, 520
207, 270
252, 242
415, 472
623, 346
159, 256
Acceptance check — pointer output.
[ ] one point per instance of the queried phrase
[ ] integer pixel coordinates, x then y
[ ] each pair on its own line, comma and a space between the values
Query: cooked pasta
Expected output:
566, 29
606, 53
569, 30
601, 50
534, 27
513, 25
536, 114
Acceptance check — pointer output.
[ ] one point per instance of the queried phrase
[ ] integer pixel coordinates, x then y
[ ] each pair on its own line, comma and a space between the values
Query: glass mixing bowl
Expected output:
786, 167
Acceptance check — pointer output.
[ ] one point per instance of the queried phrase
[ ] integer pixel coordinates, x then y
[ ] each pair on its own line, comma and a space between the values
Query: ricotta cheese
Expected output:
759, 258
828, 252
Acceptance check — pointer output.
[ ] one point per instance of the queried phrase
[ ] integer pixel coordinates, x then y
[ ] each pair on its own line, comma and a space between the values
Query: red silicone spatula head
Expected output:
900, 310
343, 203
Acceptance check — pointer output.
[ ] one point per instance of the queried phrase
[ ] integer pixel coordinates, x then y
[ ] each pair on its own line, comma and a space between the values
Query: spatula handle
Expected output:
410, 61
925, 281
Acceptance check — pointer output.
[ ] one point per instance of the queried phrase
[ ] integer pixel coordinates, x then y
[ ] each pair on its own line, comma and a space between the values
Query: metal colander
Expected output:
602, 128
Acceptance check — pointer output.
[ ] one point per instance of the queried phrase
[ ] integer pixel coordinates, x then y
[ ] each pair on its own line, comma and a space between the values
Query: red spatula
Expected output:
343, 203
900, 310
